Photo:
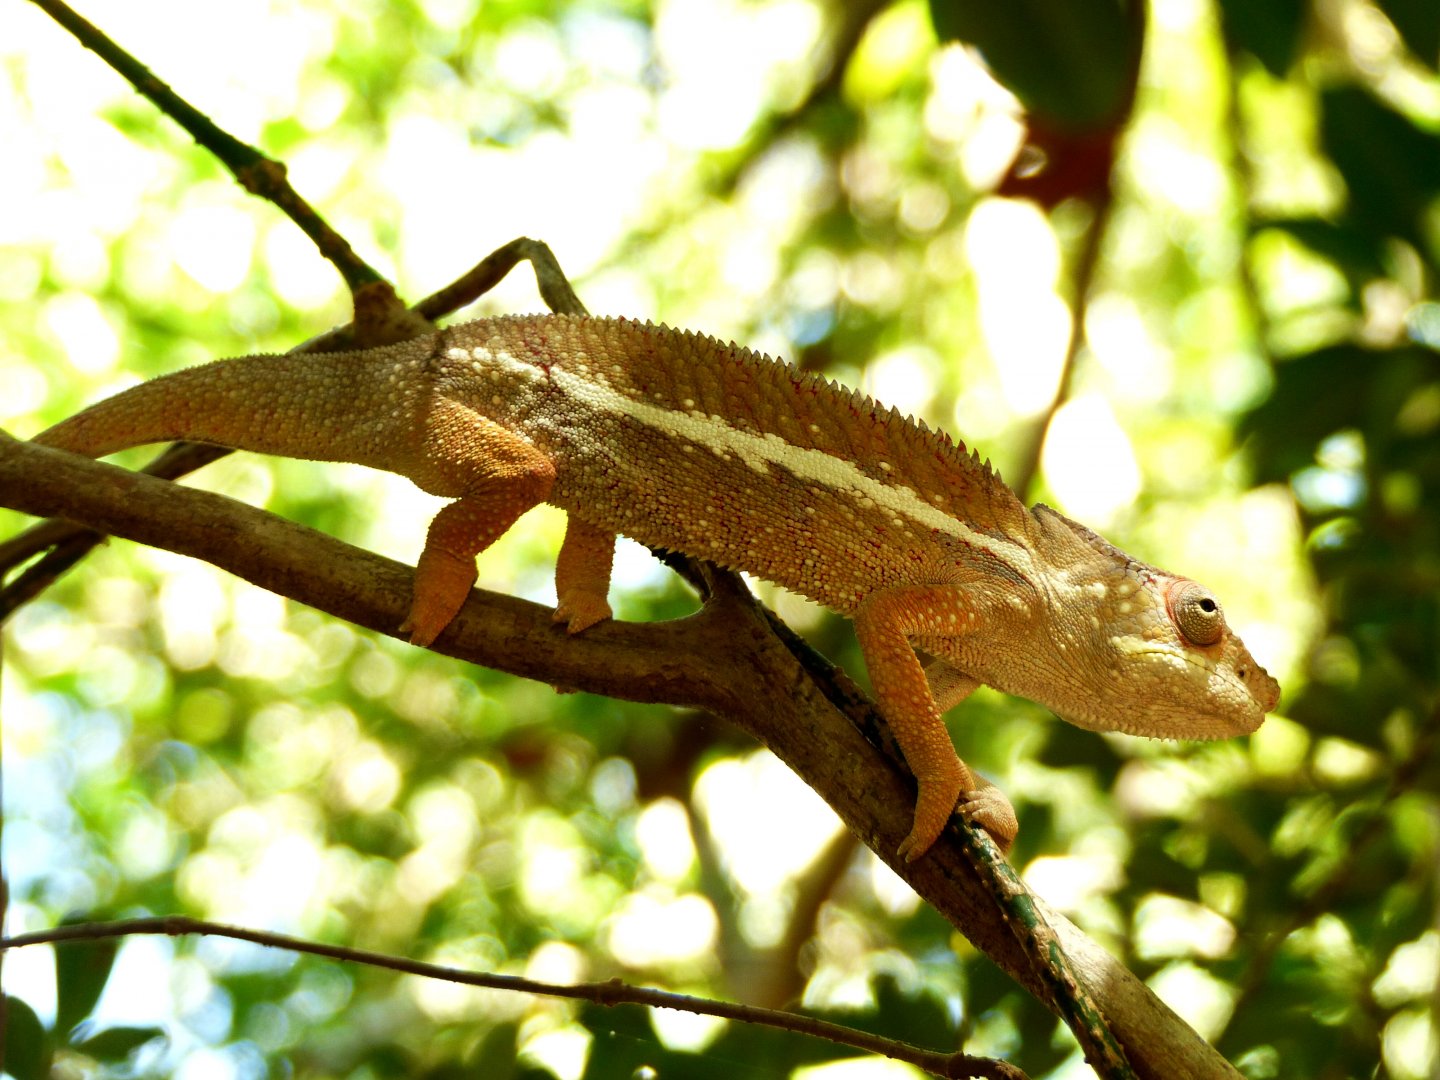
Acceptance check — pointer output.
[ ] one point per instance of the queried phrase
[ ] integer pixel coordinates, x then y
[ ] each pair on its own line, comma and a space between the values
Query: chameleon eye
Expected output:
1196, 612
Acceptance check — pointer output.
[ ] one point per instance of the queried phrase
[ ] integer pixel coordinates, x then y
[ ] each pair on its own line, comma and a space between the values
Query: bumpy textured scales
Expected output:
685, 443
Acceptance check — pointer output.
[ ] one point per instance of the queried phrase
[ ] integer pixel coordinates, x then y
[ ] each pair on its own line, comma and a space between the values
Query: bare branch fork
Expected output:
727, 658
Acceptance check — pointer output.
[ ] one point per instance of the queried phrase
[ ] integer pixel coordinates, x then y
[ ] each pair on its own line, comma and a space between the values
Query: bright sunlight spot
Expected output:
1025, 323
743, 47
1410, 1044
682, 1030
663, 833
1166, 926
1068, 882
1202, 1000
560, 1050
769, 825
875, 1068
653, 928
1089, 462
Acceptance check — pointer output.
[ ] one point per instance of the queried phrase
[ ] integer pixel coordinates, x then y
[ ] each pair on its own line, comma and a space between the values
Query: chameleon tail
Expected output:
298, 405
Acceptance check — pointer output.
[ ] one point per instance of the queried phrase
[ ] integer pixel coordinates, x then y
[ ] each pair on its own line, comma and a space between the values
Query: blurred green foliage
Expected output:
1263, 332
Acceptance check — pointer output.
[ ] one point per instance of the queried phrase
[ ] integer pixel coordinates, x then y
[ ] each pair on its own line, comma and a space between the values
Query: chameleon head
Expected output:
1111, 644
1161, 660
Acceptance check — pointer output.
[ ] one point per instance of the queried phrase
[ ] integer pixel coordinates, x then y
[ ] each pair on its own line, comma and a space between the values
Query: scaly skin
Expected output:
685, 443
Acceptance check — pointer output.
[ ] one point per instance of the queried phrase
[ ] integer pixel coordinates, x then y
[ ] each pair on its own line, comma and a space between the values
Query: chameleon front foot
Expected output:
935, 801
987, 807
983, 805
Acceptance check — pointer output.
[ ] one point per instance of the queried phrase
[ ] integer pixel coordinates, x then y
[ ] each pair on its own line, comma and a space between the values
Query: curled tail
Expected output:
321, 406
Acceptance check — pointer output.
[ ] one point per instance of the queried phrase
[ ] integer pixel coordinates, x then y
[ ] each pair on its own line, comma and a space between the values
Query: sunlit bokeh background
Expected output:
176, 739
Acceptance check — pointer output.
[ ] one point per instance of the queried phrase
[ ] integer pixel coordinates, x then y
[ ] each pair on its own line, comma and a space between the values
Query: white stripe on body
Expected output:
757, 451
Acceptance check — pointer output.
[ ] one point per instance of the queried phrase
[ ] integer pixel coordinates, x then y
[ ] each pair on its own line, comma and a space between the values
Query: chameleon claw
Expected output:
934, 803
907, 850
420, 634
581, 612
986, 807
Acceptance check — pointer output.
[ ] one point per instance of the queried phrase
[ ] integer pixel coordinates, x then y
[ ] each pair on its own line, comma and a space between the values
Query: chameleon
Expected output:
689, 444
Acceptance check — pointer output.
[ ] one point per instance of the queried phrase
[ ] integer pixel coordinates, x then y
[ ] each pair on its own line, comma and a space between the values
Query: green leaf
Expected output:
1070, 62
1391, 167
117, 1043
28, 1046
914, 1018
81, 970
625, 1042
1325, 391
1267, 29
1418, 22
1355, 253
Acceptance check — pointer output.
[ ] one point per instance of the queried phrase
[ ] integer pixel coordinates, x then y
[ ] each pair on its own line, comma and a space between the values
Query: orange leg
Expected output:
884, 624
582, 575
948, 684
497, 476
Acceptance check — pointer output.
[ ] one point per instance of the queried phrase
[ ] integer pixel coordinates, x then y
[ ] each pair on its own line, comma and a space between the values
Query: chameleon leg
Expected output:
948, 684
984, 803
582, 575
497, 476
884, 625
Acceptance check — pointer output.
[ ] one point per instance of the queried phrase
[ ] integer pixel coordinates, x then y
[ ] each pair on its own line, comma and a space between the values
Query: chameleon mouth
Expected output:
1258, 684
1221, 702
1246, 672
1180, 725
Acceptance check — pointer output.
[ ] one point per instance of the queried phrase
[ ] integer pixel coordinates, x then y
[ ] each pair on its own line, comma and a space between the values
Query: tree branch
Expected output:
610, 993
726, 658
257, 174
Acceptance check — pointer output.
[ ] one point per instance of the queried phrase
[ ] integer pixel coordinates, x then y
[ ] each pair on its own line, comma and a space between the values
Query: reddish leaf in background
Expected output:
1055, 165
1074, 66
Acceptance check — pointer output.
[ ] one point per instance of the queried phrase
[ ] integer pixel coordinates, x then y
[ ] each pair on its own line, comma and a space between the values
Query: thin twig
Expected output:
380, 318
256, 173
610, 993
554, 287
